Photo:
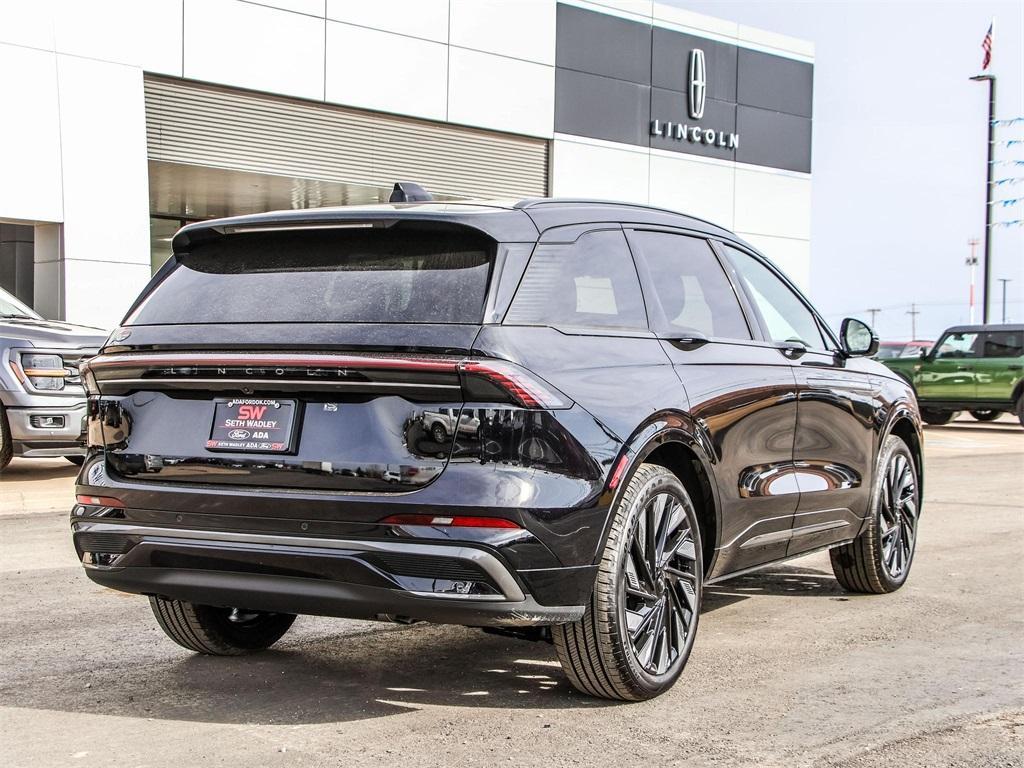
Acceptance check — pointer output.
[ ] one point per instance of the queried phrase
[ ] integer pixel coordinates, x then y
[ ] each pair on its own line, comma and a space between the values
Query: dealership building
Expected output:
123, 120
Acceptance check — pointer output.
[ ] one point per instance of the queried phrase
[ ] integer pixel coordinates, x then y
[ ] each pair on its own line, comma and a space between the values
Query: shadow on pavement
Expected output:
317, 673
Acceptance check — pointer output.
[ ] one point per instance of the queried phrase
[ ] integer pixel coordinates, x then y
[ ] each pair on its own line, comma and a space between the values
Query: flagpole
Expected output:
989, 170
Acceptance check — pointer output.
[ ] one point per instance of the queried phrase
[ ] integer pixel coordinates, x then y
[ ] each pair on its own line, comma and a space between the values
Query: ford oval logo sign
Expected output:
238, 434
698, 83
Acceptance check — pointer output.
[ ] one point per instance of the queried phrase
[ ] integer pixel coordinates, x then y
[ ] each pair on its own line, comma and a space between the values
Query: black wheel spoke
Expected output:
661, 583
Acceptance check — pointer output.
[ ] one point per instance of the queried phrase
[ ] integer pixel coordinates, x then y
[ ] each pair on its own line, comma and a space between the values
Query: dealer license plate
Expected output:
257, 425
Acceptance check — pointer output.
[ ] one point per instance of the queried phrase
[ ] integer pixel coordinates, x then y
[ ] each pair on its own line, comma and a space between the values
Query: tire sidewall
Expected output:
631, 505
893, 446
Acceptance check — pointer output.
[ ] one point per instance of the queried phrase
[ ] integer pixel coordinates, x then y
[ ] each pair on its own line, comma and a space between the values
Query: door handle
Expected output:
963, 367
792, 349
1015, 367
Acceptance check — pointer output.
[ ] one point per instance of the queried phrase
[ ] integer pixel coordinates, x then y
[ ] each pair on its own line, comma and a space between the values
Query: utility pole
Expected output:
972, 262
874, 314
1004, 281
987, 265
913, 312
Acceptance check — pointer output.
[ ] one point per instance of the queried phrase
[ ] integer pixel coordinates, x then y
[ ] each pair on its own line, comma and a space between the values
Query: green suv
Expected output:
976, 368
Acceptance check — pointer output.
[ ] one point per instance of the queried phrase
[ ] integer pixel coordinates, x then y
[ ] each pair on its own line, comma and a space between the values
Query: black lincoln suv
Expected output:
551, 416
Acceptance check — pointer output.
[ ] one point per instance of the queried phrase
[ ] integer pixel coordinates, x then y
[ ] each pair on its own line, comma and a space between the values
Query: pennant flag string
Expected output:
1009, 121
1008, 180
1012, 223
1008, 202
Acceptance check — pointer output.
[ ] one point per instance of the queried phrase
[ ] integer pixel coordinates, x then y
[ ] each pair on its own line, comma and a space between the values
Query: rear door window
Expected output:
691, 287
1004, 344
591, 283
396, 275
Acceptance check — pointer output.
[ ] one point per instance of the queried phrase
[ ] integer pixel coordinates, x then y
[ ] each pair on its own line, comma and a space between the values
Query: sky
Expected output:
898, 159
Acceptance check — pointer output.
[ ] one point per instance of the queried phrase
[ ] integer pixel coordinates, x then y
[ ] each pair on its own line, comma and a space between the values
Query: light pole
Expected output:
1004, 281
988, 192
972, 262
874, 314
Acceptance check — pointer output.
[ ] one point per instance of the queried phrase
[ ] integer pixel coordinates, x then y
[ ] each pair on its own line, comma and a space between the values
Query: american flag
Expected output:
986, 46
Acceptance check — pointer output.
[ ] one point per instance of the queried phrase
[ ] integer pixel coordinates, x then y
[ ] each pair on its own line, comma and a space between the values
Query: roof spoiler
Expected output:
407, 192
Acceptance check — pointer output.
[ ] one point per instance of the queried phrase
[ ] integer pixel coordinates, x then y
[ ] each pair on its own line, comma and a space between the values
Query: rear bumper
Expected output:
350, 578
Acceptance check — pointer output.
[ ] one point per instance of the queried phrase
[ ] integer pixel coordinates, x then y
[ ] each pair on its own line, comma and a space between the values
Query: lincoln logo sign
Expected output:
698, 83
696, 97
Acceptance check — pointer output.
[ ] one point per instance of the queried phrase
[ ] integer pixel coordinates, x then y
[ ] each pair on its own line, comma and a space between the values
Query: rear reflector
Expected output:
100, 501
459, 521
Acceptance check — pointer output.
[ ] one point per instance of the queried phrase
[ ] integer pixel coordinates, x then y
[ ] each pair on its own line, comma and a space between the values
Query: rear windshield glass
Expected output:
394, 275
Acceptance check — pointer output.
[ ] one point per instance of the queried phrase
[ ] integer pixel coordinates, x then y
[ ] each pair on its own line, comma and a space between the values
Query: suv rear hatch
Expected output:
329, 357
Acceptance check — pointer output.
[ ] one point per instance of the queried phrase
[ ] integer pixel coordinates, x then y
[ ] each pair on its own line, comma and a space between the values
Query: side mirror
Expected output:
922, 353
857, 338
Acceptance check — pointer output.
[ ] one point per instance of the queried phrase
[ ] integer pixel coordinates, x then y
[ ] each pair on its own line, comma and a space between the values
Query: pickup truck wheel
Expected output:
636, 634
439, 433
219, 631
878, 561
6, 449
936, 418
985, 415
1019, 409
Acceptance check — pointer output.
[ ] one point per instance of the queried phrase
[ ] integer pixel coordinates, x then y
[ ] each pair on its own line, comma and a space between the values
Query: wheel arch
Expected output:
678, 443
905, 426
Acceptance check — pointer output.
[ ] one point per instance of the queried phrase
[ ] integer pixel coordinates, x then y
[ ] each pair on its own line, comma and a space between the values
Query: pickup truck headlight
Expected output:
44, 372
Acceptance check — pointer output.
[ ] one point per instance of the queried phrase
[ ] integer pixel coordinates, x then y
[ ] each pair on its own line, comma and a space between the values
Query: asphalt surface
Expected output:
787, 670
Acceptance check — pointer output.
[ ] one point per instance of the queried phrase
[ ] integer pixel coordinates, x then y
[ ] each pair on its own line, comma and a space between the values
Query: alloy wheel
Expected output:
898, 515
660, 584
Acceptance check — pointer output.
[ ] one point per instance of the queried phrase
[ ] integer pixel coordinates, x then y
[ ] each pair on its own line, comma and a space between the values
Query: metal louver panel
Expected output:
199, 124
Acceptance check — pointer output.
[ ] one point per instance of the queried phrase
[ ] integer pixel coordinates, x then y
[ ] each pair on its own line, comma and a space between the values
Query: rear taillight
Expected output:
522, 387
99, 501
459, 521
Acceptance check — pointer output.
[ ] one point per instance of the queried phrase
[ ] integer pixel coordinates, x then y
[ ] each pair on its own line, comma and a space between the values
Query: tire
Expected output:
219, 631
936, 418
598, 653
1019, 409
76, 460
878, 561
439, 433
6, 447
985, 415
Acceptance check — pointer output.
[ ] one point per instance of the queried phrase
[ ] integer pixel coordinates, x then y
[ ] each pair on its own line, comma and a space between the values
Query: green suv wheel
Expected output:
936, 418
985, 415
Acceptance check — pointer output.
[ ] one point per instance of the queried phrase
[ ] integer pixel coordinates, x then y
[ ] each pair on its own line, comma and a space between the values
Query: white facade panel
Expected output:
791, 255
773, 203
524, 29
599, 171
98, 293
104, 169
388, 72
693, 186
503, 94
309, 7
427, 19
253, 46
29, 24
30, 176
145, 34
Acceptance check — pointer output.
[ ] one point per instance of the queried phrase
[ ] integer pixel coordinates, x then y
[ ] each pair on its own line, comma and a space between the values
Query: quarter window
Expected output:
787, 318
692, 288
591, 283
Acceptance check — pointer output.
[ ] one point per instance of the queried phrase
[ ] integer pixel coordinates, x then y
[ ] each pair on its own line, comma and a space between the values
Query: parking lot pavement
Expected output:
788, 670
